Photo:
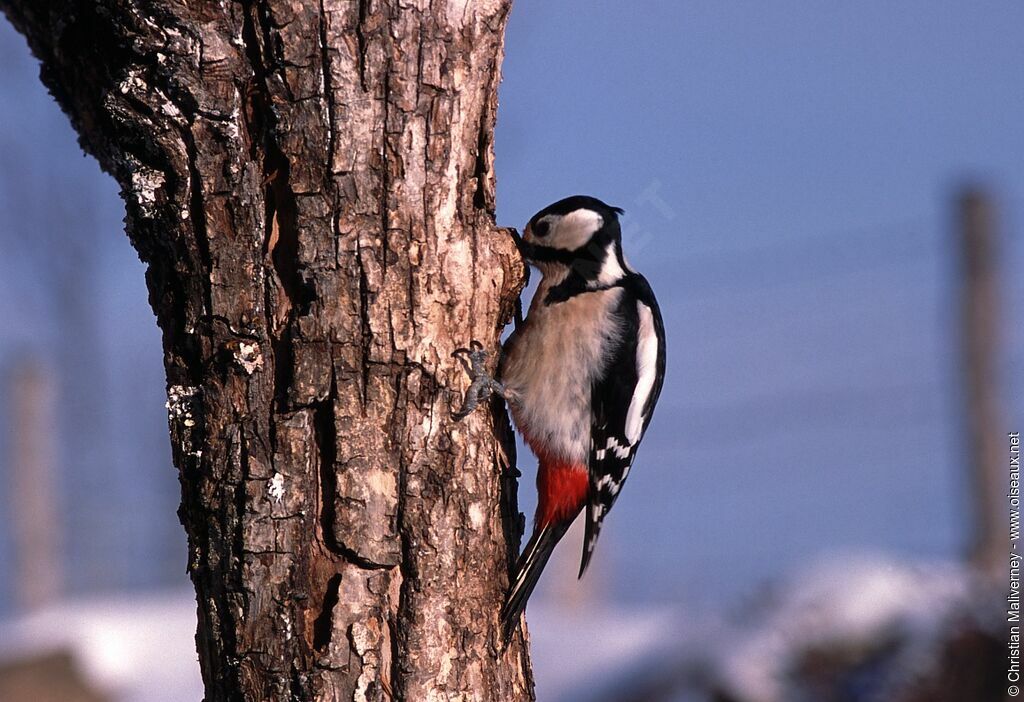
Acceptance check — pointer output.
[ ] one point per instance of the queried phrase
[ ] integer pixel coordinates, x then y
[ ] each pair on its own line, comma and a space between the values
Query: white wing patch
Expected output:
620, 451
609, 483
646, 371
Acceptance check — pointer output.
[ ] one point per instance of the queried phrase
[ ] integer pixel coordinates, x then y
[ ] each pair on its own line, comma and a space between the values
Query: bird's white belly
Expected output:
550, 364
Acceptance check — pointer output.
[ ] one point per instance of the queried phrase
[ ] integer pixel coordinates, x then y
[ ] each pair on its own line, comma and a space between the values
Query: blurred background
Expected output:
828, 200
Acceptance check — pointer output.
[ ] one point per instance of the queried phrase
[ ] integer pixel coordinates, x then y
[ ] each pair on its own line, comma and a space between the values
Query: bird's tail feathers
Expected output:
593, 530
531, 563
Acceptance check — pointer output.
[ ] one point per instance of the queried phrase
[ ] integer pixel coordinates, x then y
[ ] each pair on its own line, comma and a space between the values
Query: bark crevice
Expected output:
362, 10
323, 627
324, 421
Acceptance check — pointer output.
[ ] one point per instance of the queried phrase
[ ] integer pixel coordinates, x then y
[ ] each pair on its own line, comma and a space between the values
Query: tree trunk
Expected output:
311, 185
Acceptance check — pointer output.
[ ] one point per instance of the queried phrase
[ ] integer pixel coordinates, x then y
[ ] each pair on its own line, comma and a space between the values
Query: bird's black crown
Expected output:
578, 202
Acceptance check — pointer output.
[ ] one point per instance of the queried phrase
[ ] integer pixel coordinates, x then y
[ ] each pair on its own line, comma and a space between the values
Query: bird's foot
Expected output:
474, 360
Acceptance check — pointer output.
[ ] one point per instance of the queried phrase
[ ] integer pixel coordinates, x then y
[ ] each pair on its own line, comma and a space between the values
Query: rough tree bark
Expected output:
311, 186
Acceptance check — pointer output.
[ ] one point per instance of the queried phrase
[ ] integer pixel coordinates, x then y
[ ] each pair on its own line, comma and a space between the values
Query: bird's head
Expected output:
579, 233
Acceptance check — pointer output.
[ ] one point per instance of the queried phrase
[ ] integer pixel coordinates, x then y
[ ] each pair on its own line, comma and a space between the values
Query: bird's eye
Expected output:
540, 229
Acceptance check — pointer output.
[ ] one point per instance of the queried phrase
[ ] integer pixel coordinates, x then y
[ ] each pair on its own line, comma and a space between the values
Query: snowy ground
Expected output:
141, 648
136, 648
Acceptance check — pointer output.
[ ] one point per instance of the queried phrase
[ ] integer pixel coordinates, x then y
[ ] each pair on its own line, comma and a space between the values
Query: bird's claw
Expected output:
474, 360
477, 358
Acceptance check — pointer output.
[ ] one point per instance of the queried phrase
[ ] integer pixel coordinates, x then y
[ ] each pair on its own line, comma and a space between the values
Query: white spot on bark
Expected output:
275, 488
145, 183
232, 125
133, 83
181, 411
248, 356
476, 515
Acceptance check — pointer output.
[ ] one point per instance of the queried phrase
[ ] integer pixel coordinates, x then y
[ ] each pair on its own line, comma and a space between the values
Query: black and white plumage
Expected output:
622, 403
581, 375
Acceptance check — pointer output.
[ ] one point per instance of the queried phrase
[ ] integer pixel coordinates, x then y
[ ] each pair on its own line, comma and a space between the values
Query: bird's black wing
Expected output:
623, 400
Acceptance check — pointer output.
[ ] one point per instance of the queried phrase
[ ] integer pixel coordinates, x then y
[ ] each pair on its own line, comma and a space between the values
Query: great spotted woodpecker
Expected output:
581, 376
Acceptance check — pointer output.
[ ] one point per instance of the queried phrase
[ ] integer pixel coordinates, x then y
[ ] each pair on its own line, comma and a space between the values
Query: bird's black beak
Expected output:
526, 249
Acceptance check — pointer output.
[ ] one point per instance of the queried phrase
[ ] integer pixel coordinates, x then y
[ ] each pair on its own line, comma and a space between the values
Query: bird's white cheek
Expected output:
575, 229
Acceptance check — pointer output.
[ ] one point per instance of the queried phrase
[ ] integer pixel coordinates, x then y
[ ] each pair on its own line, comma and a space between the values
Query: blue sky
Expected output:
761, 118
787, 170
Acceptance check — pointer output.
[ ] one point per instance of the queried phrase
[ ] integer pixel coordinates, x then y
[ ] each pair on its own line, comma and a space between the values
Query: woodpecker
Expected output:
581, 376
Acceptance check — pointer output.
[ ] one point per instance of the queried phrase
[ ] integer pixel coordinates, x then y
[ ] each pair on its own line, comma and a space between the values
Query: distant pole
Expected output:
979, 339
31, 495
